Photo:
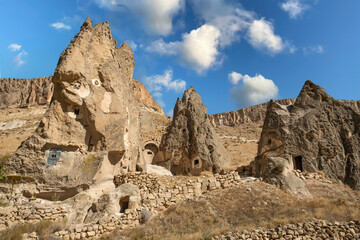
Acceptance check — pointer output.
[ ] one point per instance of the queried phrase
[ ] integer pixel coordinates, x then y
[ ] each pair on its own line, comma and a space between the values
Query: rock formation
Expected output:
91, 128
144, 98
253, 114
190, 145
38, 91
25, 92
317, 133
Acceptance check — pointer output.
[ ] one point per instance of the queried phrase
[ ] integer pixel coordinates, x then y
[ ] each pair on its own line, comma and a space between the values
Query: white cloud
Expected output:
201, 48
313, 49
19, 58
132, 44
235, 77
254, 90
60, 25
261, 36
294, 8
157, 15
198, 49
157, 82
14, 47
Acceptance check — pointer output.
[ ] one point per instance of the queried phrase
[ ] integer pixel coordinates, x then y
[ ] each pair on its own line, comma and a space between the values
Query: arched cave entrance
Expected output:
124, 203
297, 160
150, 151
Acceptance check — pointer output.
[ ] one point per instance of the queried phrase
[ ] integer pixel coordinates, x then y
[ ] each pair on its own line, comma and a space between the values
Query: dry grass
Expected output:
44, 229
247, 206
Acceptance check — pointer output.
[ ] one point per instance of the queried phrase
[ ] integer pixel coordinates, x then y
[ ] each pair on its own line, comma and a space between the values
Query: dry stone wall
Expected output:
29, 213
301, 231
162, 191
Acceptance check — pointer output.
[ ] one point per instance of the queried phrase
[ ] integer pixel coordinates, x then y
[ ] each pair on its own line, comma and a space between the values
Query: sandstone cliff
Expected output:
25, 92
317, 133
16, 92
190, 144
253, 114
91, 128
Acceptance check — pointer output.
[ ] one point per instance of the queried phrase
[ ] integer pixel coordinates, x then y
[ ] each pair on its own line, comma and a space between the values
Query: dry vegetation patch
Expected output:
248, 206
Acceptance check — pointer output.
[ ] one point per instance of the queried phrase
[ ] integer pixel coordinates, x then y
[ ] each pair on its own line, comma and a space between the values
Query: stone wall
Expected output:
28, 213
301, 231
157, 191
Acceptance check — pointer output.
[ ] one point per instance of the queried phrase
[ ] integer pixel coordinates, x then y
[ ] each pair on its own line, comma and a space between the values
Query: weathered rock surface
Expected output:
317, 133
25, 92
253, 114
144, 98
16, 92
91, 128
190, 144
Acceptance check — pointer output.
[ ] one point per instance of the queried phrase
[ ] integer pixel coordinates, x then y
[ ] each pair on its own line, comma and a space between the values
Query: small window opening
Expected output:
76, 111
53, 156
96, 82
150, 153
269, 141
184, 130
196, 162
124, 204
298, 163
77, 86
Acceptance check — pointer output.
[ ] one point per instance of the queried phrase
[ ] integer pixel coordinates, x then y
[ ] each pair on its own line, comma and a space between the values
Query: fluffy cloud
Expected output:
313, 49
253, 90
235, 77
19, 58
198, 49
60, 25
157, 82
261, 36
14, 47
157, 15
294, 8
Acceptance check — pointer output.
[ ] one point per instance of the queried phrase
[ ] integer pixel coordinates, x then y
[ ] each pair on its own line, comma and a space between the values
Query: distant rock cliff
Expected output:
253, 114
16, 92
25, 92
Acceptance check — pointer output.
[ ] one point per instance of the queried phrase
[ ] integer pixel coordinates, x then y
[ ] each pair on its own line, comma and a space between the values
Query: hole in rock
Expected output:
196, 162
298, 163
269, 141
76, 111
124, 203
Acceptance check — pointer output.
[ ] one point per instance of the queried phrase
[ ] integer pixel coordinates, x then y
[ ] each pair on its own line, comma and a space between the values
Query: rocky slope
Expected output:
253, 114
25, 92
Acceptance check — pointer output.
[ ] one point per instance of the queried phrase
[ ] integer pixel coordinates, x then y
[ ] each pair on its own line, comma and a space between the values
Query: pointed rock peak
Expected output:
126, 48
192, 94
311, 94
87, 24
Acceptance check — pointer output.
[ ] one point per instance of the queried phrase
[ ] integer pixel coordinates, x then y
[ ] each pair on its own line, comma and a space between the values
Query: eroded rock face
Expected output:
91, 127
25, 92
317, 133
190, 145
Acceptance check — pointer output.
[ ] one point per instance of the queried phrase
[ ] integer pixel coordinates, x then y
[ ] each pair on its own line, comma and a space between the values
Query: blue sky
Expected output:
236, 53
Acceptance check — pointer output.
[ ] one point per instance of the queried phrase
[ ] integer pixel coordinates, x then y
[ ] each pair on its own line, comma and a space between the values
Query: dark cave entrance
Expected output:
298, 163
124, 203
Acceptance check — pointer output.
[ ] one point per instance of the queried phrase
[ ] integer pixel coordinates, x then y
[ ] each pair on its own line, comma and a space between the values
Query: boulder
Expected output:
277, 171
91, 128
190, 144
317, 133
